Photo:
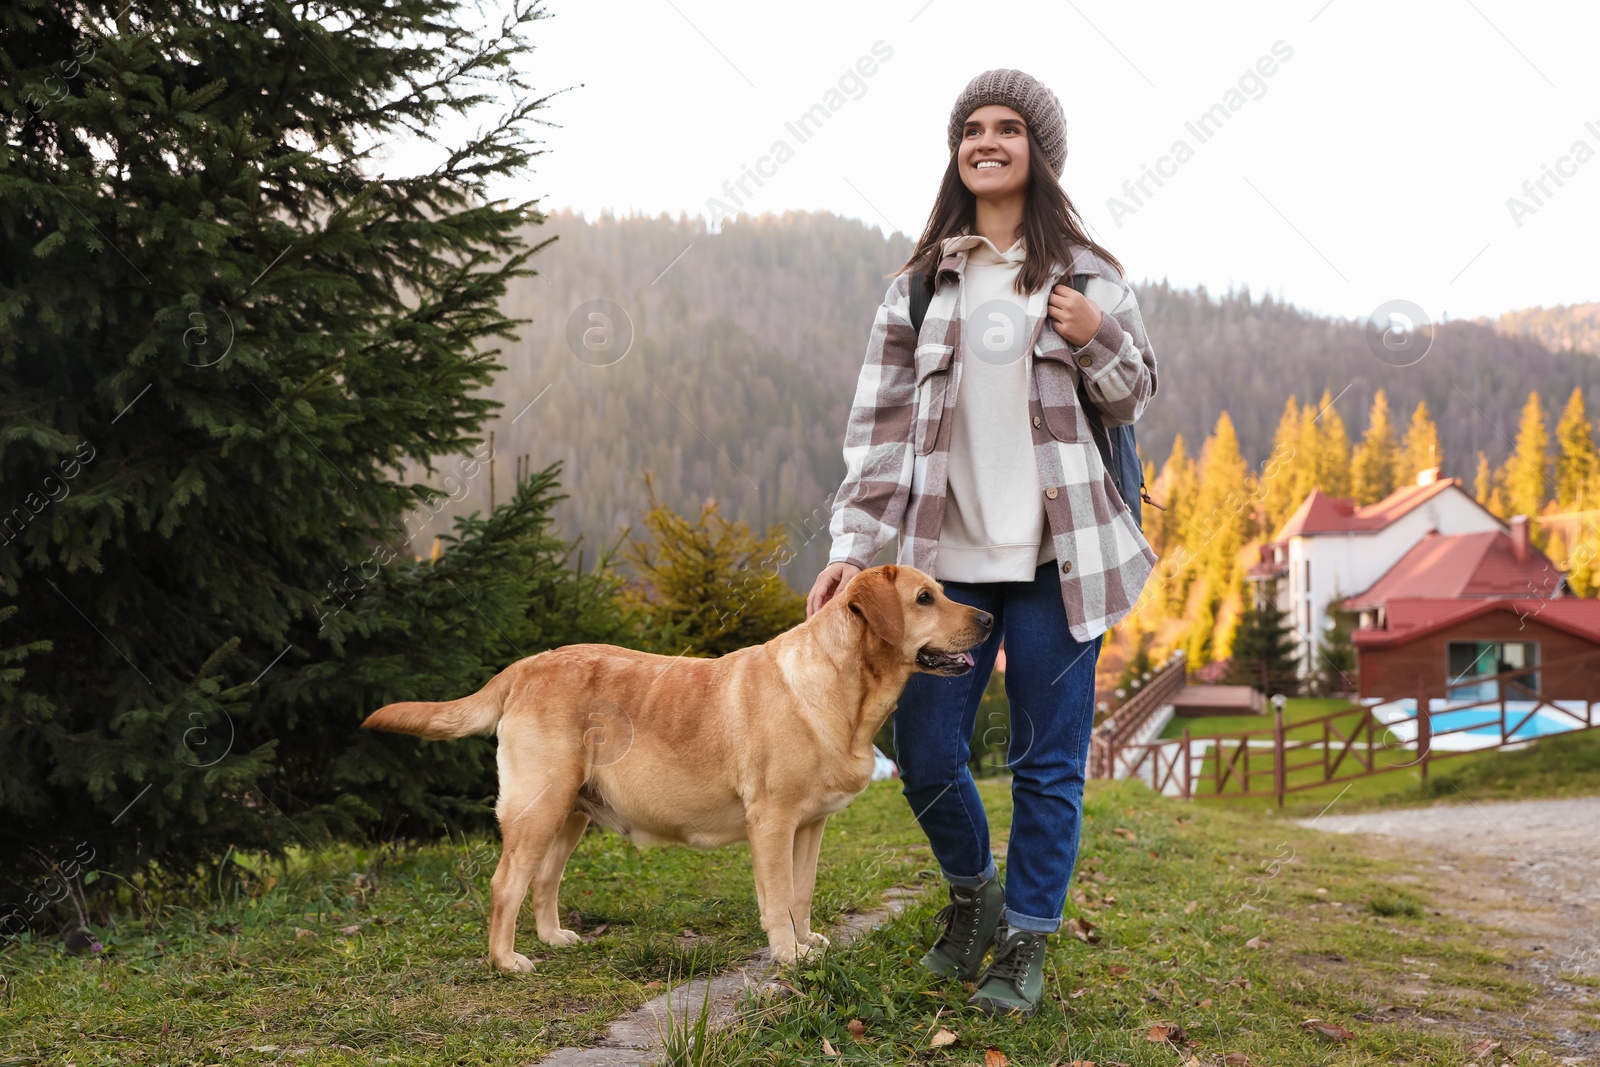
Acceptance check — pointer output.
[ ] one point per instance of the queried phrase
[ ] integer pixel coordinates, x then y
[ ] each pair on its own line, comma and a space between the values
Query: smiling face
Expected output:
993, 154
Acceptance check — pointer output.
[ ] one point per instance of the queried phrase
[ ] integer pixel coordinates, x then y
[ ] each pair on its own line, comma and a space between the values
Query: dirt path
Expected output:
1532, 869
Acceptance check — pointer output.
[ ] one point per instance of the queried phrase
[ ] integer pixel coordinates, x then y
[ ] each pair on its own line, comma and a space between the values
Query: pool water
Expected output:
1478, 727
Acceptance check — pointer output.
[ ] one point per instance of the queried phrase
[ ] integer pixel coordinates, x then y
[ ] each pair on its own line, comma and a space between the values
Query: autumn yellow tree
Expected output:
1487, 488
1323, 438
1576, 466
1420, 449
1218, 527
1372, 467
1289, 472
1526, 476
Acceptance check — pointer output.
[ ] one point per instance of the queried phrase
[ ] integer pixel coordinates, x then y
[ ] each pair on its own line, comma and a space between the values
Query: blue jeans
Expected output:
1050, 686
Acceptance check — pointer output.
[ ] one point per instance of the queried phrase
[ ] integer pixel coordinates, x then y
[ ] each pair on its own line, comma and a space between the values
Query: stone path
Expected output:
635, 1039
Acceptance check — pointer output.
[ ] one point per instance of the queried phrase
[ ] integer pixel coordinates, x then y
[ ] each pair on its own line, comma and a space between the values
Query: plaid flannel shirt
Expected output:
897, 440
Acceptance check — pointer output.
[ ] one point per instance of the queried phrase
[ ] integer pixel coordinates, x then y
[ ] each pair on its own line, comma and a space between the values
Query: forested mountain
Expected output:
746, 346
1565, 326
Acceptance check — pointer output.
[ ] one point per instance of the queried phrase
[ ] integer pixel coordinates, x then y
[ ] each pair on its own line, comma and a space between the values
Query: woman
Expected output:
970, 440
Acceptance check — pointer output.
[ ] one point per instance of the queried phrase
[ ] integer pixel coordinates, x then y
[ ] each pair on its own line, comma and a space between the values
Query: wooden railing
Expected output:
1119, 728
1338, 747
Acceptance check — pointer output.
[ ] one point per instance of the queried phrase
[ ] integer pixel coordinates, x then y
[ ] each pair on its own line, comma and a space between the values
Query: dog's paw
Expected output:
815, 940
561, 937
785, 954
514, 962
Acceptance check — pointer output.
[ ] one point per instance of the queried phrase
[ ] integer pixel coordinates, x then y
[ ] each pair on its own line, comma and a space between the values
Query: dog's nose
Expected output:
984, 619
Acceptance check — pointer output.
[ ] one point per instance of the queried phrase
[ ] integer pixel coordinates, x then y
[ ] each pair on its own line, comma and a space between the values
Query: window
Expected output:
1469, 662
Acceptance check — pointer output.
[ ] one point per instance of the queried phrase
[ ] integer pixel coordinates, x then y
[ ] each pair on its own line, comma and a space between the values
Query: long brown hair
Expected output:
1050, 224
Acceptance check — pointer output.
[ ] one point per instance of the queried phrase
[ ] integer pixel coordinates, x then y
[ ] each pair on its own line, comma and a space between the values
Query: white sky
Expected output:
1376, 165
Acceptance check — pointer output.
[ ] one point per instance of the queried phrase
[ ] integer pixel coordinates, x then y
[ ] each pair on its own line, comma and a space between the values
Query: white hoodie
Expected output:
994, 527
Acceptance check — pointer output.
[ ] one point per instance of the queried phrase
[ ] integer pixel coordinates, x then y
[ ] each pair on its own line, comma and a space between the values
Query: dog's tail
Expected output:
444, 720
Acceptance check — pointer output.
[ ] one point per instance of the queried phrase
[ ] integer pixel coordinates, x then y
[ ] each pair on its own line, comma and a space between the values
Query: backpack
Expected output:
1119, 451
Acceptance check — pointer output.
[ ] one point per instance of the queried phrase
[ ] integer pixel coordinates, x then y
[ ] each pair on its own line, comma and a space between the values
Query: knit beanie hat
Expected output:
1026, 96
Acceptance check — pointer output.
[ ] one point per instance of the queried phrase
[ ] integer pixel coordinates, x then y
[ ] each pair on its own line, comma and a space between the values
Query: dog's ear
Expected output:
872, 595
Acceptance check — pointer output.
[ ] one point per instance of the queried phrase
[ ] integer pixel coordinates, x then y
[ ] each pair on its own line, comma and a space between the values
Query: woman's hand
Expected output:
1073, 315
834, 577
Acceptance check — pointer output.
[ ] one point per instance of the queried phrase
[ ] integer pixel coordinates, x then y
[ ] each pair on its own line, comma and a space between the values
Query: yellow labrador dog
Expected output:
760, 745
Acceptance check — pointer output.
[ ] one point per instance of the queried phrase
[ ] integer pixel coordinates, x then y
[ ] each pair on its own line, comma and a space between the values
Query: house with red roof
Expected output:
1330, 549
1456, 610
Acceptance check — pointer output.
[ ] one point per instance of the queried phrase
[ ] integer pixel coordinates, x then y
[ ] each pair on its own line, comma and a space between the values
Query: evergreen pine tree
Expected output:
225, 331
712, 581
1372, 475
1420, 450
1336, 653
1577, 469
1527, 471
1263, 645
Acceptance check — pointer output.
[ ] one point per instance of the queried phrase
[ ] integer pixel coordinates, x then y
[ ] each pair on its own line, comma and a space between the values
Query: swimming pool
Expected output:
1479, 727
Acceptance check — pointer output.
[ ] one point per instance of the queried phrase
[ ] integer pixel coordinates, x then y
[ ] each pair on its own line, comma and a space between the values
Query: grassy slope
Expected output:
1177, 903
235, 983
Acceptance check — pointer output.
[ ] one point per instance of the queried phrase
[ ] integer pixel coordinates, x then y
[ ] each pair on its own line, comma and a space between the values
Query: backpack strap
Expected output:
920, 299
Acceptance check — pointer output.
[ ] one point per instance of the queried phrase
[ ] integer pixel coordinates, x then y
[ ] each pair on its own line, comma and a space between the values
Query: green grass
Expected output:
1175, 896
1177, 906
1295, 710
233, 982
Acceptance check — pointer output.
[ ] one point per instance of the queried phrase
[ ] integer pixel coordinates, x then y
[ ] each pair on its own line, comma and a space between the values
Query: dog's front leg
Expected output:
772, 842
807, 846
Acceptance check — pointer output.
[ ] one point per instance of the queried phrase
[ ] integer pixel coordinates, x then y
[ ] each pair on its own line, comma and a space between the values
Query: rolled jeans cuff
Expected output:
1029, 923
971, 881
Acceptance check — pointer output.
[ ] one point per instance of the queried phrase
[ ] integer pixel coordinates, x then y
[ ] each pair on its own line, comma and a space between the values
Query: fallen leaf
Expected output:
1192, 1061
993, 1057
1125, 833
944, 1037
354, 928
1483, 1048
1206, 1003
1257, 942
1083, 930
1229, 928
857, 1028
1159, 1033
1155, 855
655, 984
1319, 891
1080, 991
1118, 969
1081, 1063
1109, 901
598, 930
1099, 876
828, 1049
1329, 1030
1189, 908
1237, 1059
301, 934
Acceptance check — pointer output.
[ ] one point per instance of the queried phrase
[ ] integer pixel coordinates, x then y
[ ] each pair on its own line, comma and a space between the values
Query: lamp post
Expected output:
1279, 775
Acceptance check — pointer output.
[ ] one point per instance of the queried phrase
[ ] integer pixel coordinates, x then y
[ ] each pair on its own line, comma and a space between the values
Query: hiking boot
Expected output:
969, 924
1015, 980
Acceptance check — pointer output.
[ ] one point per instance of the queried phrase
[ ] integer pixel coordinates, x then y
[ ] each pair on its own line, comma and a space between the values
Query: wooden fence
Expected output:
1339, 747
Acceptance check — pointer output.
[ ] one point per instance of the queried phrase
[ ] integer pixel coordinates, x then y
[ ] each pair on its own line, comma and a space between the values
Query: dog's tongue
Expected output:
966, 657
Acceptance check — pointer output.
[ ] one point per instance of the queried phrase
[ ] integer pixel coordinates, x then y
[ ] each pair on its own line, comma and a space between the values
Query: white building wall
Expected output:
1343, 564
